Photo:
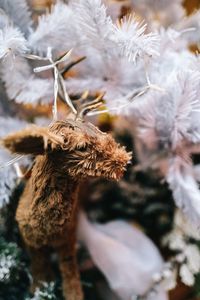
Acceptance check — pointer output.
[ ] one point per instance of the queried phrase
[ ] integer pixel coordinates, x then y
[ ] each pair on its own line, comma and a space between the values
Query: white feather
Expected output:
126, 257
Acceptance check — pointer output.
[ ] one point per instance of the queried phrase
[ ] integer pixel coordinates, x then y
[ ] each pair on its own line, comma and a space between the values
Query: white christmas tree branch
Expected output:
133, 42
56, 30
12, 42
22, 85
19, 12
185, 189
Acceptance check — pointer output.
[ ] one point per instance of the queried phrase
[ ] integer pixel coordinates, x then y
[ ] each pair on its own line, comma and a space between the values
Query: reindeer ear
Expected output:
32, 140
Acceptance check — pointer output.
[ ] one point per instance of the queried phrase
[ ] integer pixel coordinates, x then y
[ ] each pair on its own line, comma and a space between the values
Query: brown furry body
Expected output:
45, 212
67, 152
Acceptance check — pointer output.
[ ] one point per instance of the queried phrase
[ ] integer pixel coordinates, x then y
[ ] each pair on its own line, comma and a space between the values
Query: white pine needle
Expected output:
22, 85
185, 189
12, 42
18, 11
133, 42
56, 30
95, 25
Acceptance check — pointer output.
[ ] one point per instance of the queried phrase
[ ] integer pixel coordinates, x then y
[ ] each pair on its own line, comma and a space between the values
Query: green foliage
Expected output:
46, 292
13, 272
197, 286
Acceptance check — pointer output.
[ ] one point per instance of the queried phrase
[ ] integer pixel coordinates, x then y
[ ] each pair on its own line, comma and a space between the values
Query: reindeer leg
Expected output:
40, 266
71, 284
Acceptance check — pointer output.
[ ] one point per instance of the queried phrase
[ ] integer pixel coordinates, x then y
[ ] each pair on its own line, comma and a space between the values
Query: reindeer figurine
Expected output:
67, 152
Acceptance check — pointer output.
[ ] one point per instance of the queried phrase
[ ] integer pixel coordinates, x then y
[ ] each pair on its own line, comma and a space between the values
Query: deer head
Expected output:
75, 147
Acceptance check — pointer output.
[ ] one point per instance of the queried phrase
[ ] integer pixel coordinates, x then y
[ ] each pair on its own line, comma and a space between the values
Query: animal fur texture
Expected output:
67, 152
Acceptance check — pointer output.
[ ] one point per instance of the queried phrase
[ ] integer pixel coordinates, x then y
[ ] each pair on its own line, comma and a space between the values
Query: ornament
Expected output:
126, 256
67, 152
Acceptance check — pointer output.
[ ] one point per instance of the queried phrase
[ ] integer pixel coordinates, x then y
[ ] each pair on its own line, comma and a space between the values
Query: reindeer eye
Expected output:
82, 148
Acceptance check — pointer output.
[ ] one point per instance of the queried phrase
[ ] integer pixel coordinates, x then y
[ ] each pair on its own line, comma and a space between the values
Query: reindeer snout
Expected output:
122, 157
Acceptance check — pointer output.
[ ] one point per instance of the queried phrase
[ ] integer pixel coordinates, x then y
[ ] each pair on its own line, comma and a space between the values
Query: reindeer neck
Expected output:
48, 180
